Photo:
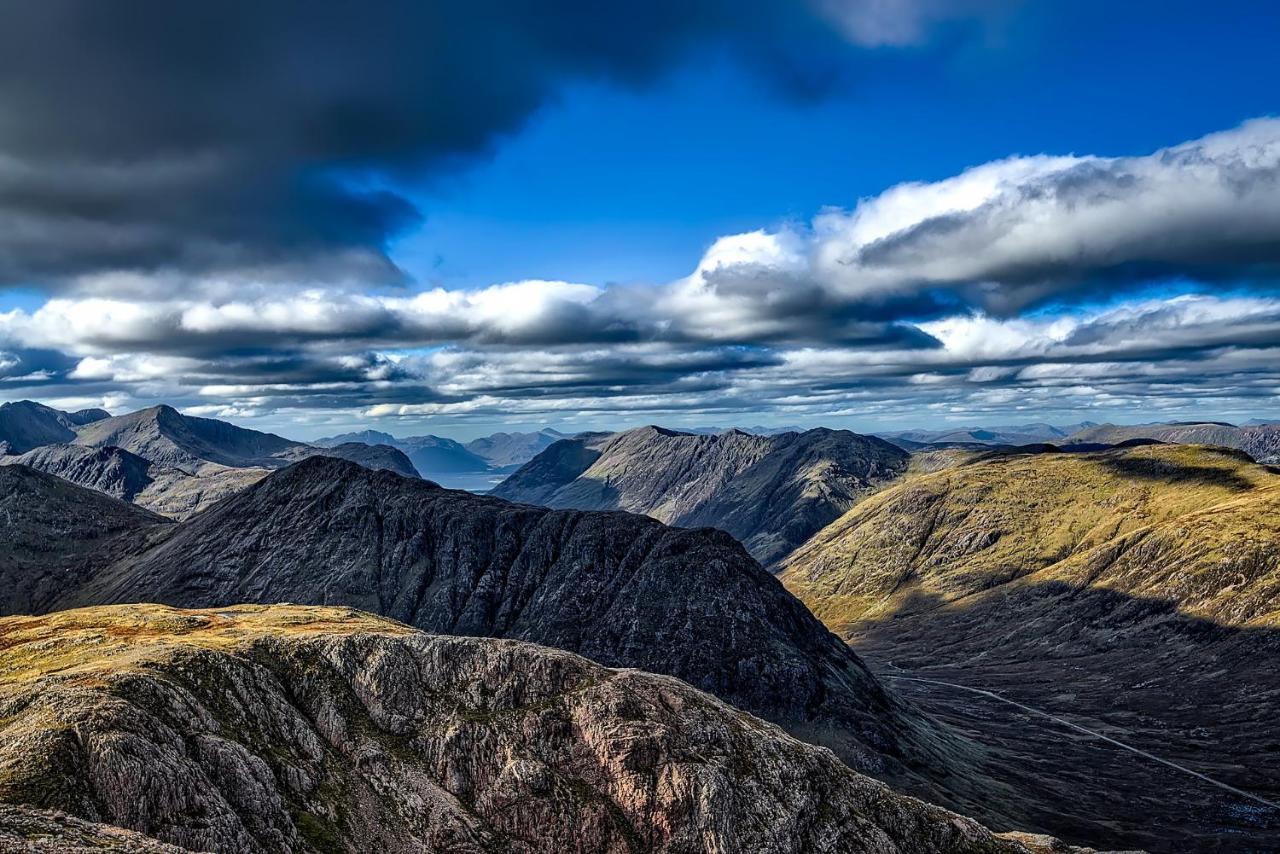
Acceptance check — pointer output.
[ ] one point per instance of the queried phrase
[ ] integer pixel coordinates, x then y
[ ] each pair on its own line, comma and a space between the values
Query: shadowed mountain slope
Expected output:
113, 471
1134, 591
1260, 441
25, 425
284, 728
770, 492
52, 532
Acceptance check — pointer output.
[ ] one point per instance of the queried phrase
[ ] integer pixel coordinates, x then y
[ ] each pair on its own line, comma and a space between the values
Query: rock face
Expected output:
770, 492
53, 532
112, 471
25, 425
1260, 441
288, 729
621, 589
1135, 591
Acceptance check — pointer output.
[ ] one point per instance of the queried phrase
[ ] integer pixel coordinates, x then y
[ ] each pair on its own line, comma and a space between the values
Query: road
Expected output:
992, 695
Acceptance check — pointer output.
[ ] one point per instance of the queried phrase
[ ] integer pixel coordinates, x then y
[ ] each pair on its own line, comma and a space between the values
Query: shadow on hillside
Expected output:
1198, 692
1154, 468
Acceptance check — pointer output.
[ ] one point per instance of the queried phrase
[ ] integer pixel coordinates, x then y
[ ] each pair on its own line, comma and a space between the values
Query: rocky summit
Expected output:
771, 492
283, 729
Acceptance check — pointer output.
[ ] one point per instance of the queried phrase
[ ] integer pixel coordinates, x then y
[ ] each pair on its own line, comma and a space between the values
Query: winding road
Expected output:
992, 695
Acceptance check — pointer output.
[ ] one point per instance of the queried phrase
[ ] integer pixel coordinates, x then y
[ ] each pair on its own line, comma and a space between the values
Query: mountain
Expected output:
25, 425
109, 470
165, 436
53, 533
384, 457
1007, 434
1135, 591
286, 728
432, 456
621, 589
1260, 441
508, 450
771, 492
435, 455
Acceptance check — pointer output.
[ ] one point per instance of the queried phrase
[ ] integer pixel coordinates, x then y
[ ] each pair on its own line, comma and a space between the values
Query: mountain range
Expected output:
1260, 441
476, 465
621, 589
770, 492
160, 459
1007, 434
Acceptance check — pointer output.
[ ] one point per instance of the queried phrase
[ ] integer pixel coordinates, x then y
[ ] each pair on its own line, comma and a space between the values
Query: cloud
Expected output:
1016, 233
263, 140
970, 296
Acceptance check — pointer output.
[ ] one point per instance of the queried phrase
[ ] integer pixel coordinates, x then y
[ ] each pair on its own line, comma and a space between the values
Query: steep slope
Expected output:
164, 436
25, 425
53, 531
1133, 591
112, 471
280, 729
621, 589
951, 533
1260, 441
771, 492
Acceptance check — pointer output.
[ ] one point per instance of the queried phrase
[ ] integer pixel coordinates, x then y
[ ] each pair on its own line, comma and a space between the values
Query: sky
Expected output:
449, 218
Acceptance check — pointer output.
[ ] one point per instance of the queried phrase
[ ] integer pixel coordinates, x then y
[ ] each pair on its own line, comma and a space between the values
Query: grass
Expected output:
942, 534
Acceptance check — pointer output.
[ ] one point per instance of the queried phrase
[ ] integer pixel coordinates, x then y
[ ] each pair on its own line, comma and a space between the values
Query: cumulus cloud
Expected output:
1015, 233
959, 297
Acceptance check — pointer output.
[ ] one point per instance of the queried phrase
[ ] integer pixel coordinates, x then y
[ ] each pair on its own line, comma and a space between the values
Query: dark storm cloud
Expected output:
259, 137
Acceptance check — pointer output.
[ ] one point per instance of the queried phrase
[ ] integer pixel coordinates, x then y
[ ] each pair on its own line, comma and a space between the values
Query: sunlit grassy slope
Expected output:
1196, 525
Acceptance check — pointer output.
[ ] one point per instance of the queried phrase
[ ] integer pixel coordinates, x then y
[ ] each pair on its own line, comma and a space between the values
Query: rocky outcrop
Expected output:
288, 729
25, 425
770, 492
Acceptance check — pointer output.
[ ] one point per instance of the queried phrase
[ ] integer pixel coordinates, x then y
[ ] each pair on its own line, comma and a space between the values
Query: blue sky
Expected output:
695, 212
616, 185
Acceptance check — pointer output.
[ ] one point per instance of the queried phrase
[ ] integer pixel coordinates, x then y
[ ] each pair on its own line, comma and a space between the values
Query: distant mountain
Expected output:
1008, 434
165, 436
507, 450
1109, 587
25, 425
437, 456
1260, 441
376, 457
110, 470
771, 492
431, 455
287, 728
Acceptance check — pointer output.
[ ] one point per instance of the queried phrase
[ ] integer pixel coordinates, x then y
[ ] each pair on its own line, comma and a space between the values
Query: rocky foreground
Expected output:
282, 728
